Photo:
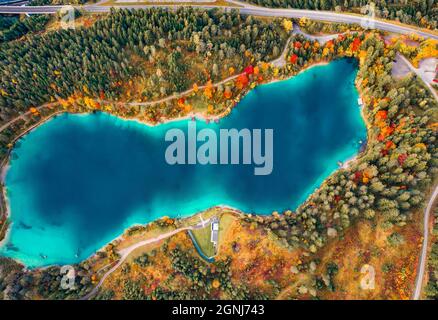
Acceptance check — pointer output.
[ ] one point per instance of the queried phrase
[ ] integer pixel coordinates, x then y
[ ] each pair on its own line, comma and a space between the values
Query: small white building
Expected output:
214, 232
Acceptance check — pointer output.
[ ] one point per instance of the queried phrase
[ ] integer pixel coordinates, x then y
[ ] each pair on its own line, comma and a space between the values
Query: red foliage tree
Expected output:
356, 44
242, 81
249, 70
402, 158
389, 144
294, 59
357, 176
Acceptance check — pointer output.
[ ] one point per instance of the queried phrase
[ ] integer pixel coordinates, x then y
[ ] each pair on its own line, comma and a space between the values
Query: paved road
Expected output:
280, 62
419, 74
321, 39
124, 253
423, 257
244, 9
14, 3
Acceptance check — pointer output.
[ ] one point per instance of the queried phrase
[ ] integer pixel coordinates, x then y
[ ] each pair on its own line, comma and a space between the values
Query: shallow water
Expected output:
77, 181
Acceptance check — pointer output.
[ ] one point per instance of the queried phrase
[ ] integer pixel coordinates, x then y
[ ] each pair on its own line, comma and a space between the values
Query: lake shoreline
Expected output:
197, 115
347, 163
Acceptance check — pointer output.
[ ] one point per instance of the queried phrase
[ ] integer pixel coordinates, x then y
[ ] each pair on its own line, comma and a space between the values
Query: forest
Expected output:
392, 177
12, 28
125, 44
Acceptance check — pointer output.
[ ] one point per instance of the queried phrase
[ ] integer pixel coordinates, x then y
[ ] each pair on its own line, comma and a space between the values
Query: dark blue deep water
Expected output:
77, 181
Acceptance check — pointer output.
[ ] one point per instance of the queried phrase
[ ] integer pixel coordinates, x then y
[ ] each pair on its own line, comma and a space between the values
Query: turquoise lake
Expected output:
77, 181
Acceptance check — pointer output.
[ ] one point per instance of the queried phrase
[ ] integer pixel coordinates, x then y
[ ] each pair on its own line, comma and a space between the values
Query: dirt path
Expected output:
172, 97
7, 124
124, 253
280, 61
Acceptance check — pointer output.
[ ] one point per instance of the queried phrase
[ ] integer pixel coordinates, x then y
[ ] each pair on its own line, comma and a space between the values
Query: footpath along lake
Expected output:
77, 181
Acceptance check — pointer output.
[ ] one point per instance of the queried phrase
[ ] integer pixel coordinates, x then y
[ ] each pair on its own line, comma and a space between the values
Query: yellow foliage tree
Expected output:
208, 91
216, 284
303, 21
362, 56
428, 49
288, 25
265, 66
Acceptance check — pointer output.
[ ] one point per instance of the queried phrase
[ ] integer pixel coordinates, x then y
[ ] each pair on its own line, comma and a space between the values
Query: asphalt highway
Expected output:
244, 9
